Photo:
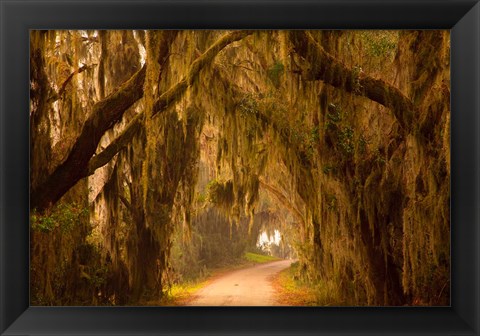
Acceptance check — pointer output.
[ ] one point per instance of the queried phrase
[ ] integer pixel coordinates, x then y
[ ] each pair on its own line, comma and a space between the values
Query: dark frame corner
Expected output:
17, 17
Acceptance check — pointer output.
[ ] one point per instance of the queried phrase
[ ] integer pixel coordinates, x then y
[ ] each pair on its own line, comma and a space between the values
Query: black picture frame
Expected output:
18, 16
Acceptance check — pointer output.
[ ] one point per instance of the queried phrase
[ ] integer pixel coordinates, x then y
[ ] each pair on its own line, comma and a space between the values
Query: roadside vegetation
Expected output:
259, 258
180, 293
292, 290
158, 158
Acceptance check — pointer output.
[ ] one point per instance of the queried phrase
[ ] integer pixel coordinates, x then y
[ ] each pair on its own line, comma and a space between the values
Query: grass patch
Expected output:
180, 294
259, 258
293, 292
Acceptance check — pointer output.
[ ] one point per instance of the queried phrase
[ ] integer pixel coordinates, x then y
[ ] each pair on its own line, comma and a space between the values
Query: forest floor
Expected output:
250, 286
289, 291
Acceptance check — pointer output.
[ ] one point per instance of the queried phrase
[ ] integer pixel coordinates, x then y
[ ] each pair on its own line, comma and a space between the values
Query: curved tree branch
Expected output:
125, 202
56, 96
284, 200
167, 99
120, 142
105, 115
174, 93
326, 68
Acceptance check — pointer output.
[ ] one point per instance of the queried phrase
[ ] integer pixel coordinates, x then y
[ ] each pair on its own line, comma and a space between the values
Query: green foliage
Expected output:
99, 276
178, 293
327, 169
356, 73
342, 134
334, 115
362, 144
379, 158
219, 193
312, 140
62, 217
93, 270
346, 142
201, 198
332, 202
44, 224
212, 243
275, 72
248, 106
259, 258
380, 43
314, 135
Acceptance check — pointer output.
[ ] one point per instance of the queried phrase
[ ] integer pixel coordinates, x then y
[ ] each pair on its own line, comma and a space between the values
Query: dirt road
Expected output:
246, 287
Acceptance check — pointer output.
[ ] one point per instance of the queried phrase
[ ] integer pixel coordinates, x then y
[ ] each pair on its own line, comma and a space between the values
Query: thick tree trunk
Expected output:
382, 272
40, 91
105, 115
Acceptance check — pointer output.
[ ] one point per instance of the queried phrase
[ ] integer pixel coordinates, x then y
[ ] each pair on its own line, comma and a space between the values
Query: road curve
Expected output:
245, 287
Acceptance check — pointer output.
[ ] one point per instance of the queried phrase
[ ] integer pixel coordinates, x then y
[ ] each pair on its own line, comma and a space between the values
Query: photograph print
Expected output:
240, 168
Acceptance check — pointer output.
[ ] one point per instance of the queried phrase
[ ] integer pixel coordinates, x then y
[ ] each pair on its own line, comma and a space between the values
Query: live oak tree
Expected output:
139, 136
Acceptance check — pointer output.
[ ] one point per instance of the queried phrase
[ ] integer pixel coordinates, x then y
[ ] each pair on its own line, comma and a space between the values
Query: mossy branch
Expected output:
125, 202
175, 92
57, 95
326, 68
105, 115
284, 201
169, 97
120, 142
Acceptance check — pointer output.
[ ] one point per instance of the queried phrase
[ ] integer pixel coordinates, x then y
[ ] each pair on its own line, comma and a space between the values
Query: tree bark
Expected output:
105, 115
165, 100
326, 68
120, 142
57, 95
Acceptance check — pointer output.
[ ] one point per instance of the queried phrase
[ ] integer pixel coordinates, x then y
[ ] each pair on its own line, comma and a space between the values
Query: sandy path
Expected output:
245, 287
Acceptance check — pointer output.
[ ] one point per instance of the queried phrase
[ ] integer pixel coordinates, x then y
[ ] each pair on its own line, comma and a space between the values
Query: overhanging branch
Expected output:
174, 93
120, 142
60, 92
105, 115
284, 200
167, 99
326, 68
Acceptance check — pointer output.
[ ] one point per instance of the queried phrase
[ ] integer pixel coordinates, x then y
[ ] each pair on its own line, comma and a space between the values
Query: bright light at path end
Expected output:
264, 238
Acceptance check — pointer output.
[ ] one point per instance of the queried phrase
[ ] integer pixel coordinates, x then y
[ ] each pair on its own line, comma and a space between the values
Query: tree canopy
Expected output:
156, 152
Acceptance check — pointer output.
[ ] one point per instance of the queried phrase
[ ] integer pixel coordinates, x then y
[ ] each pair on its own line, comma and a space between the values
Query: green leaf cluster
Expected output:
63, 217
